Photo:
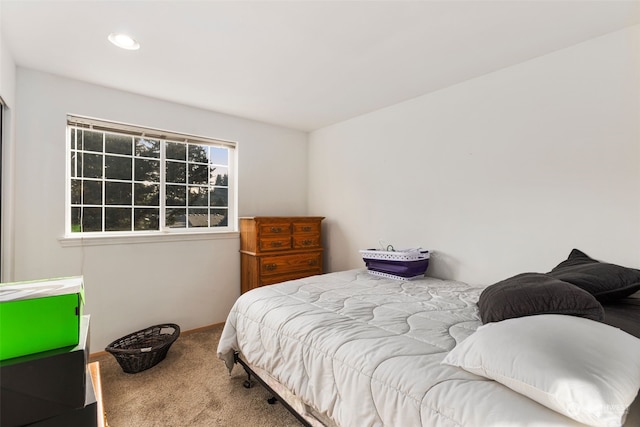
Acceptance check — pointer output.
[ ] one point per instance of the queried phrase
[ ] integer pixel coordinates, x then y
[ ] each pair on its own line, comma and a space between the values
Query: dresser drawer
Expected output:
306, 227
278, 243
271, 280
306, 241
284, 264
275, 229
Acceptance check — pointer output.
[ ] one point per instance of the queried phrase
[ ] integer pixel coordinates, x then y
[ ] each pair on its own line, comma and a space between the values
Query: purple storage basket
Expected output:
397, 264
398, 268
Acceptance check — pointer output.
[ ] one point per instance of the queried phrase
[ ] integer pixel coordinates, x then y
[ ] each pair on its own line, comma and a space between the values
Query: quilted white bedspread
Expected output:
366, 351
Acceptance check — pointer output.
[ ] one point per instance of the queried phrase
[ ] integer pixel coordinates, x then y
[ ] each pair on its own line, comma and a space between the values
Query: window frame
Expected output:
187, 233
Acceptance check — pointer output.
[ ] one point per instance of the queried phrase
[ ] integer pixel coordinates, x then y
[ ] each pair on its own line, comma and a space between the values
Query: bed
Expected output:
350, 349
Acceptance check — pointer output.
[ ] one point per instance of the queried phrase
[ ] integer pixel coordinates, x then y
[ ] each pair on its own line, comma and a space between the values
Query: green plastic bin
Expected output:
40, 315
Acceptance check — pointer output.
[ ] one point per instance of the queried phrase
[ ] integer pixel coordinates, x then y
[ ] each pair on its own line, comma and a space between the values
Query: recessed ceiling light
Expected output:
124, 41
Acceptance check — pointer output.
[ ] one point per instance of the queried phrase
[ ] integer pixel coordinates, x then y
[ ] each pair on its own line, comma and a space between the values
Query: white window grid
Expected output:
161, 206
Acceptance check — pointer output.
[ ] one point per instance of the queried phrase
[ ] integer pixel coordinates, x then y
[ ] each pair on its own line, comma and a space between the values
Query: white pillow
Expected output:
580, 368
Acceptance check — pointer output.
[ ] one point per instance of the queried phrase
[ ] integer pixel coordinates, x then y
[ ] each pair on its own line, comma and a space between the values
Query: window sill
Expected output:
122, 239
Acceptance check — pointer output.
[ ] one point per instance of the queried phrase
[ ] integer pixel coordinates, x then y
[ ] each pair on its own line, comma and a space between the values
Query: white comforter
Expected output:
366, 351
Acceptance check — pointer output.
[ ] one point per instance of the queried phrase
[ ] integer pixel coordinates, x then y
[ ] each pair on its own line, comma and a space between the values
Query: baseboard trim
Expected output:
202, 328
188, 332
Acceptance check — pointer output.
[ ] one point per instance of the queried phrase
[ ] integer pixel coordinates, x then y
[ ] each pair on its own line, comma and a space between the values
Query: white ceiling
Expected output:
300, 64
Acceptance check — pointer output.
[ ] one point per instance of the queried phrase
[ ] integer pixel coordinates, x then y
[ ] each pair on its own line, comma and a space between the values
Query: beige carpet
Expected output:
191, 387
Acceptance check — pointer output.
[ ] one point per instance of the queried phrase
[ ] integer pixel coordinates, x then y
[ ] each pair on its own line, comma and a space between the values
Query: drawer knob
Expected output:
276, 229
276, 244
307, 242
270, 267
306, 228
313, 262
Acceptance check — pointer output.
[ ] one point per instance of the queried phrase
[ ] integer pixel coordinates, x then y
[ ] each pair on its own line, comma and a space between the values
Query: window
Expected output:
128, 179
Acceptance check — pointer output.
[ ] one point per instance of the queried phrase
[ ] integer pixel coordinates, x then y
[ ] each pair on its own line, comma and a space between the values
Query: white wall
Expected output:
129, 287
7, 73
8, 95
498, 175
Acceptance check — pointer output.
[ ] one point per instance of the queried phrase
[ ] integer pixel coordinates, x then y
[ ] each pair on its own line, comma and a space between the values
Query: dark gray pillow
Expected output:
607, 282
528, 294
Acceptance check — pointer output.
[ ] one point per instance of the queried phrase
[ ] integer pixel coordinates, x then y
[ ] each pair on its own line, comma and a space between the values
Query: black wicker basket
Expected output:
143, 349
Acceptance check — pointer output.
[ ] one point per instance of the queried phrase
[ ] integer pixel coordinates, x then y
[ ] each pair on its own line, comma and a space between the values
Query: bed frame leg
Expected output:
273, 399
247, 383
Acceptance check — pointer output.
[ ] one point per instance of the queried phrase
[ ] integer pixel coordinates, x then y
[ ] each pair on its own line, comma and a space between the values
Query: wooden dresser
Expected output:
279, 248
